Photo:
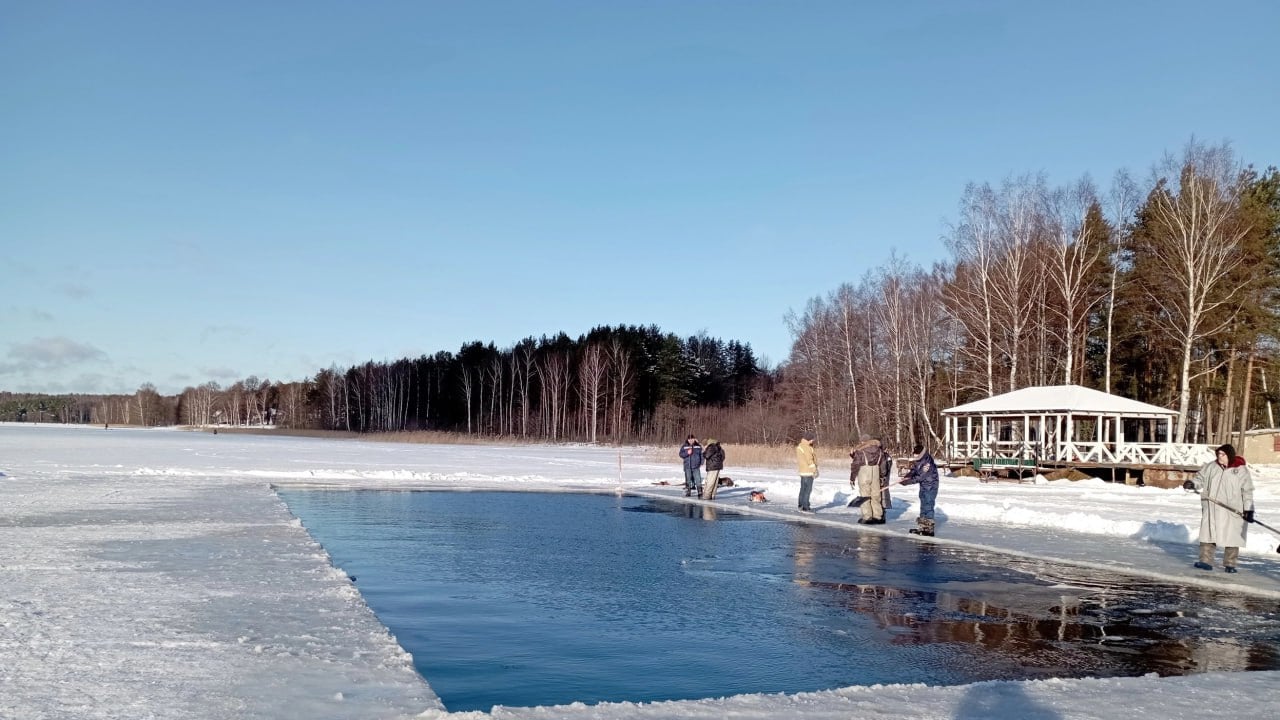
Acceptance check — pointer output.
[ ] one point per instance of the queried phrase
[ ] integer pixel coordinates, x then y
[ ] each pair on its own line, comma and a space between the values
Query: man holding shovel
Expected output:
1226, 507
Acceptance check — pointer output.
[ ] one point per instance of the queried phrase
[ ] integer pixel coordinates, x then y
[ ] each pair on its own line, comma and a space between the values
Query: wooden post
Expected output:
1070, 437
1119, 423
1271, 419
1244, 404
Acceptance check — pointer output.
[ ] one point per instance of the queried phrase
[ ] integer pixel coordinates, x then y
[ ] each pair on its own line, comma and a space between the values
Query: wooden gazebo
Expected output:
1062, 426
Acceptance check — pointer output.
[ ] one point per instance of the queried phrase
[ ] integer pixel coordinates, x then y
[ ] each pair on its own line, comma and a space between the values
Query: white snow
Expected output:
155, 574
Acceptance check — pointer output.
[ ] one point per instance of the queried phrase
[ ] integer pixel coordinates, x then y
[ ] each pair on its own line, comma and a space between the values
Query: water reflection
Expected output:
1061, 623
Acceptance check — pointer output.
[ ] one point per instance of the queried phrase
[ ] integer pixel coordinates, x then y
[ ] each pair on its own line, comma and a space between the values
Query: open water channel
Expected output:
524, 599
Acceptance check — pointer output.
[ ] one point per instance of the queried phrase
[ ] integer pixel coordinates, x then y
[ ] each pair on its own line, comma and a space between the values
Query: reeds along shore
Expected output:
770, 456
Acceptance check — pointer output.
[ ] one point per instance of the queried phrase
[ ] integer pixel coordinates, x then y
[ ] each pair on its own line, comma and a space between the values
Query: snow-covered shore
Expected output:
156, 574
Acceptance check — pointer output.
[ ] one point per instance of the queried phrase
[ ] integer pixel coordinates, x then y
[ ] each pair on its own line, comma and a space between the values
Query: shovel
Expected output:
1239, 514
862, 499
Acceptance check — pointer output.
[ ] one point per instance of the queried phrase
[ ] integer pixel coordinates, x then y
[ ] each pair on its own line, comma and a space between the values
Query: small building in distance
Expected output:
1261, 447
1069, 426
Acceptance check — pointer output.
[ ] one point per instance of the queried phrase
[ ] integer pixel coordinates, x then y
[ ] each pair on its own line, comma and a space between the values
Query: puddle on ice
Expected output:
526, 599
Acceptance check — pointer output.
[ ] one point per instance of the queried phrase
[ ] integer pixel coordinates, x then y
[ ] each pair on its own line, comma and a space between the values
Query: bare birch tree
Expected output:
553, 377
1189, 247
1123, 198
1012, 273
591, 373
623, 382
974, 243
467, 384
1076, 252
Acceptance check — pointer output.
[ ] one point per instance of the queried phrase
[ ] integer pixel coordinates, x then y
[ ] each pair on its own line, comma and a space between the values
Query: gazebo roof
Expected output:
1058, 399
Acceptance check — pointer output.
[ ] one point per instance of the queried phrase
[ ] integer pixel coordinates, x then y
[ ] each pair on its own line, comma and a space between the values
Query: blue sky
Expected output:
209, 190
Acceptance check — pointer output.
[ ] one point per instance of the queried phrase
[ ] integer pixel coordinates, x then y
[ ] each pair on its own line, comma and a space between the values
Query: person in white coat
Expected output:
1226, 480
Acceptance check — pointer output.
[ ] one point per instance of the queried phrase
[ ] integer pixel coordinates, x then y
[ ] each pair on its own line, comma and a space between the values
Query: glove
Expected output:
1248, 516
1188, 485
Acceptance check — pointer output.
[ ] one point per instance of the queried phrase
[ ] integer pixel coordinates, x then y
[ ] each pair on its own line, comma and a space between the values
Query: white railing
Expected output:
1086, 452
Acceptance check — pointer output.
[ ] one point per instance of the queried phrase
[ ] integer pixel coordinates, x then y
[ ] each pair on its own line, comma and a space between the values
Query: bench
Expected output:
1011, 469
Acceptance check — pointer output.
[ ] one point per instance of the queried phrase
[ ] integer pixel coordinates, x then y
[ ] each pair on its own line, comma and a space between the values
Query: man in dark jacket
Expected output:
714, 455
925, 472
691, 451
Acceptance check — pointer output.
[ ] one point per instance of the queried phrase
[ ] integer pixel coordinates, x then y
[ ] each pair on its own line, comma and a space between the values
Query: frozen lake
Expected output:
527, 599
158, 574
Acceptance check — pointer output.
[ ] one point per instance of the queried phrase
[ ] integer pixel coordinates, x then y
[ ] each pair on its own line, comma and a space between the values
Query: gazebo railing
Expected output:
1093, 452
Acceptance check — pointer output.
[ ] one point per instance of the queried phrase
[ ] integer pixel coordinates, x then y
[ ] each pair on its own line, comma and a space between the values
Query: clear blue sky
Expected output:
195, 191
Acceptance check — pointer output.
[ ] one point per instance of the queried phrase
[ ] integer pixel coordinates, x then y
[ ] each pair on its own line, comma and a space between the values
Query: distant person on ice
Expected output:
1226, 480
714, 455
691, 451
807, 463
924, 471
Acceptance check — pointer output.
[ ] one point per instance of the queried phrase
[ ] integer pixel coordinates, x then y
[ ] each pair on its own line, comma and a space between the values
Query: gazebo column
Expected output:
1070, 438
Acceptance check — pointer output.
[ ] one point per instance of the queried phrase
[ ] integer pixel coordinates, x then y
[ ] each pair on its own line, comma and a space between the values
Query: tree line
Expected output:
615, 384
1165, 290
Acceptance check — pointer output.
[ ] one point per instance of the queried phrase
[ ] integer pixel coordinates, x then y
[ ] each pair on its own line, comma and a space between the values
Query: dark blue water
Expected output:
524, 599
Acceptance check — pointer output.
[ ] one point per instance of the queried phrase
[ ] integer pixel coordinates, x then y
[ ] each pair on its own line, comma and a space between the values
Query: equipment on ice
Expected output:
1237, 513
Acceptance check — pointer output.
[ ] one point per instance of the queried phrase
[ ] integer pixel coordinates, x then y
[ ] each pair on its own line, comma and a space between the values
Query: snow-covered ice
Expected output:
156, 574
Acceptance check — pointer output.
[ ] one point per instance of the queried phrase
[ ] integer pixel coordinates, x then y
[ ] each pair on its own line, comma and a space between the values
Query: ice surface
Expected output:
155, 574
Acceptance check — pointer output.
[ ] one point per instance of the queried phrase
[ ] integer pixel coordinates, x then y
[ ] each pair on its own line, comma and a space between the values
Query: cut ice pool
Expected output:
524, 599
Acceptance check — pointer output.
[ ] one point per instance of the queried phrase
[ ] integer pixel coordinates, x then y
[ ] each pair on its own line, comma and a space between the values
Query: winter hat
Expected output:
711, 441
1230, 451
809, 435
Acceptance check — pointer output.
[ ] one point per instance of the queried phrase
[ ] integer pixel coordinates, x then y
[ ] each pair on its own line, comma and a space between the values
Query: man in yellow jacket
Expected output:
807, 462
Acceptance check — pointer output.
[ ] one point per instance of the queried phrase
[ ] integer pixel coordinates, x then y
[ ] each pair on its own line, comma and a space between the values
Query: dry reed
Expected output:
830, 459
770, 456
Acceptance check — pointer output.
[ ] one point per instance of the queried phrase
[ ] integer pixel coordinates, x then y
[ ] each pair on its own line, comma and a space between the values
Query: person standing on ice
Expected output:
807, 463
691, 451
870, 464
714, 456
1225, 480
924, 471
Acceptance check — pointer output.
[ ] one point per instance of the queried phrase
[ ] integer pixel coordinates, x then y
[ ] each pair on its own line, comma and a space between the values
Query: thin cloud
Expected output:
76, 291
31, 313
220, 372
223, 332
49, 353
